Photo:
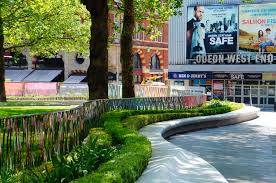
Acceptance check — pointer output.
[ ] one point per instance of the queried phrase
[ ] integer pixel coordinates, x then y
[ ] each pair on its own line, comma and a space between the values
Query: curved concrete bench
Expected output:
169, 163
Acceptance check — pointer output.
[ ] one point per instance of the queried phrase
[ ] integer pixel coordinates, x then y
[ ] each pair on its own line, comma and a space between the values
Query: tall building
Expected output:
238, 64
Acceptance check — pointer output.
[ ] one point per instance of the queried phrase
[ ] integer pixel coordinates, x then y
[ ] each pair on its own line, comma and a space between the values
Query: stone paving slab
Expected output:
172, 164
243, 153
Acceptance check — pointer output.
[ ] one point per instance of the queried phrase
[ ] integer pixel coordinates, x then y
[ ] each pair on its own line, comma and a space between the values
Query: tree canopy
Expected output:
155, 12
46, 26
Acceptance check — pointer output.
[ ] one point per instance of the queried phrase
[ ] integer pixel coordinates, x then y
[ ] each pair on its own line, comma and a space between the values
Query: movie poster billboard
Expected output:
211, 30
257, 24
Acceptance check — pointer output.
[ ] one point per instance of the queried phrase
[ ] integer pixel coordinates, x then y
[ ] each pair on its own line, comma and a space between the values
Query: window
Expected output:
137, 35
137, 78
144, 36
154, 62
159, 35
136, 61
79, 58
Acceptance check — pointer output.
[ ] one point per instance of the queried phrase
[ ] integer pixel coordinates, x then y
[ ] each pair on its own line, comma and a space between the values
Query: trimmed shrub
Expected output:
137, 122
133, 157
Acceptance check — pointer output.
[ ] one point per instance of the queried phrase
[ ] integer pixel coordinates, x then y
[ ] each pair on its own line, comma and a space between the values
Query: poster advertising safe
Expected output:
257, 24
211, 30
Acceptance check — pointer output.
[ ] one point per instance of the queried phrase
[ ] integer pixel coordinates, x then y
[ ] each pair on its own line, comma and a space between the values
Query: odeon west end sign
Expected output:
235, 59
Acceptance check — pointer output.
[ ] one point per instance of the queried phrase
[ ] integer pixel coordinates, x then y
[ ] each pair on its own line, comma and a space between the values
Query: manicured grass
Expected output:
22, 110
29, 103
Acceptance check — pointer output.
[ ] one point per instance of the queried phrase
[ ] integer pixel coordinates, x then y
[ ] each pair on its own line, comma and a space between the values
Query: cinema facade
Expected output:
229, 48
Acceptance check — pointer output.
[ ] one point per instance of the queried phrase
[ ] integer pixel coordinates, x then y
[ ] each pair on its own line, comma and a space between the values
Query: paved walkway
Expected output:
242, 153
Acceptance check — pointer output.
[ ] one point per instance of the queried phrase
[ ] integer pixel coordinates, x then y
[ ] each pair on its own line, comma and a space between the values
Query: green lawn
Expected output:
28, 103
7, 111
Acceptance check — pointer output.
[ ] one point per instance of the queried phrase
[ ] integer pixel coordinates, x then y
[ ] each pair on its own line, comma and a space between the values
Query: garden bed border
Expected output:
170, 163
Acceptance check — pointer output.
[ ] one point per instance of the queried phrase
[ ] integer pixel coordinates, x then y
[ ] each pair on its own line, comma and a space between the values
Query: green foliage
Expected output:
46, 27
103, 137
22, 103
96, 160
8, 111
156, 12
137, 122
133, 156
130, 160
94, 151
219, 104
142, 118
7, 175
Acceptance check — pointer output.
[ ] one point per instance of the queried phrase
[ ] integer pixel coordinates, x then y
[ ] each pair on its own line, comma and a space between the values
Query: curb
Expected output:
171, 164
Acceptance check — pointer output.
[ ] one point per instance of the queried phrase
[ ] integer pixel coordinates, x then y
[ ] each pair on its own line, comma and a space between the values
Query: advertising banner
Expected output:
218, 86
211, 29
269, 76
257, 24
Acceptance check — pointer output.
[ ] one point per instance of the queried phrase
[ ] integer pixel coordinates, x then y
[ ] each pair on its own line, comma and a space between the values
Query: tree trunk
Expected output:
2, 64
126, 49
98, 68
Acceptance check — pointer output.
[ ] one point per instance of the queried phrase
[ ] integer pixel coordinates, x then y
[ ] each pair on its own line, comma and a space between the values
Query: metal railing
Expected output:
81, 90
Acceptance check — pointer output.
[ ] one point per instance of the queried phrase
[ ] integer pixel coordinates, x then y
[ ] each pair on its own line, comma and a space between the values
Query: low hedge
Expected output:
133, 157
139, 121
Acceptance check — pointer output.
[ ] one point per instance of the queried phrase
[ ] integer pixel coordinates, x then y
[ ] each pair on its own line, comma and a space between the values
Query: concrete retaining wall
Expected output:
172, 164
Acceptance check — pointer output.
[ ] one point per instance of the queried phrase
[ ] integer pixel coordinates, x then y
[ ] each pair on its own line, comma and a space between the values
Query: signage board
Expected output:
235, 58
190, 75
237, 76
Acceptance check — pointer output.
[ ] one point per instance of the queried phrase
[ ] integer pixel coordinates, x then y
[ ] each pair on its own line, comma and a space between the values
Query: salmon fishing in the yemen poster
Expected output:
257, 24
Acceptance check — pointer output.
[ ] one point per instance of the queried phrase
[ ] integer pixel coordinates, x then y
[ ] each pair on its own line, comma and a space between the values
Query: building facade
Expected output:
150, 56
229, 48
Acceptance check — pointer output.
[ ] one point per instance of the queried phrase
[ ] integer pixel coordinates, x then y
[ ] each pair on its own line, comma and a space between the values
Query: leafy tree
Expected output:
126, 49
156, 12
98, 68
45, 26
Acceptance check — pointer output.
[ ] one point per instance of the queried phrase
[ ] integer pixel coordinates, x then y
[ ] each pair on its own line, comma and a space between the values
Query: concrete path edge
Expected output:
172, 164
